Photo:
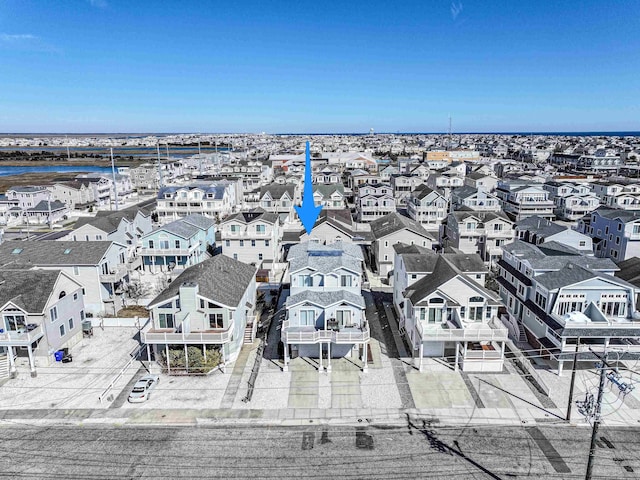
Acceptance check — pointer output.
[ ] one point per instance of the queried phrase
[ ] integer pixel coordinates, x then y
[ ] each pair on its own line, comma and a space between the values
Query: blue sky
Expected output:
278, 66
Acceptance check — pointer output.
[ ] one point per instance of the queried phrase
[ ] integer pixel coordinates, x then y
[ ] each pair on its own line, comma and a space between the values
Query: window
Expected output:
345, 280
235, 256
266, 243
81, 314
216, 320
259, 256
71, 324
164, 244
242, 243
76, 270
253, 243
62, 294
307, 317
98, 237
53, 314
261, 229
177, 243
75, 297
475, 314
541, 300
62, 330
235, 228
227, 243
305, 281
14, 322
165, 320
583, 243
343, 317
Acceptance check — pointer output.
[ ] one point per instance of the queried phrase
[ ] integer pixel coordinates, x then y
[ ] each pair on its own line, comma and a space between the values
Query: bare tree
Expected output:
137, 290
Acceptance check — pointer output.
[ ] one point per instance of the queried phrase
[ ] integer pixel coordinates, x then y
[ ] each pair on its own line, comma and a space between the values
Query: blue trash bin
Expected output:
58, 355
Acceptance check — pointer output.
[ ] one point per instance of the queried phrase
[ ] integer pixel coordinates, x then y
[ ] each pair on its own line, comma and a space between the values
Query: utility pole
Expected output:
115, 184
159, 167
596, 419
573, 379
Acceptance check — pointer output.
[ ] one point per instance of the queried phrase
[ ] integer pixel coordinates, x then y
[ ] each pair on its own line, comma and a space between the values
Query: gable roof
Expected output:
394, 222
324, 299
34, 253
257, 214
444, 270
27, 289
221, 279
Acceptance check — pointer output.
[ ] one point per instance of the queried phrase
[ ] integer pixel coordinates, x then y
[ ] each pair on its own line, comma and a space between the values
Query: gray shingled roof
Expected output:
554, 256
394, 222
252, 216
28, 289
444, 270
540, 226
325, 299
613, 213
43, 206
221, 279
277, 190
33, 252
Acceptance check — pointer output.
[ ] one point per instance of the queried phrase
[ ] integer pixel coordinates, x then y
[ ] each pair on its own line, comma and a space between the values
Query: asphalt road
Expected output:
414, 451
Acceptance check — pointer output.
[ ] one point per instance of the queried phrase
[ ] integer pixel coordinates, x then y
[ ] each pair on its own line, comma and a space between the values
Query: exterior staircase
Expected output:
4, 366
522, 335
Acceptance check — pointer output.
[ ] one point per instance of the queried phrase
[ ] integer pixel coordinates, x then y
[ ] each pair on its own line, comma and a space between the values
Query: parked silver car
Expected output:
142, 389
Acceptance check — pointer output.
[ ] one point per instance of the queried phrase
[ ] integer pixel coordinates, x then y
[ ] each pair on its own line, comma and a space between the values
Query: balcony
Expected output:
20, 338
309, 335
475, 332
168, 336
115, 275
169, 251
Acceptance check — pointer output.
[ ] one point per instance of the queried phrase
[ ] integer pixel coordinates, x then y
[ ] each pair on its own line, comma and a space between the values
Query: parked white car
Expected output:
142, 389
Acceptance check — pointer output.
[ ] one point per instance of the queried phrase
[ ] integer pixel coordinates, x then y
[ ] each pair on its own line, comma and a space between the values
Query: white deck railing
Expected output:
345, 336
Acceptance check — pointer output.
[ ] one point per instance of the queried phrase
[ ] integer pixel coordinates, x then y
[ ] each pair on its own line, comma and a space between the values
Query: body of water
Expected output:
10, 170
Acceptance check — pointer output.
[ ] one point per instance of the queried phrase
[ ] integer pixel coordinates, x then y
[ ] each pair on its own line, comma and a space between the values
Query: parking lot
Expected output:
96, 362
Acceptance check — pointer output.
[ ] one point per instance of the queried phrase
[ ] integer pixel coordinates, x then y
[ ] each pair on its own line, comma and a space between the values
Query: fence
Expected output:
524, 365
103, 322
134, 356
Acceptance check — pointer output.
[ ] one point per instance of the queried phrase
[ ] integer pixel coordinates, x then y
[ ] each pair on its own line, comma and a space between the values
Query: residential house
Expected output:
212, 199
538, 230
476, 199
524, 199
557, 298
178, 244
615, 233
484, 233
427, 206
446, 313
481, 181
210, 305
334, 226
42, 312
374, 201
403, 185
330, 196
253, 236
100, 267
391, 229
325, 308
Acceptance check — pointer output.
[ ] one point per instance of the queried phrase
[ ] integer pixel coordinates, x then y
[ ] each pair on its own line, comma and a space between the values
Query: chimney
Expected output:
188, 296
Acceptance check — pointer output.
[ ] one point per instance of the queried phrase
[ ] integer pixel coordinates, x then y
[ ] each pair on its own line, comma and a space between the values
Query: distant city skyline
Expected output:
309, 67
